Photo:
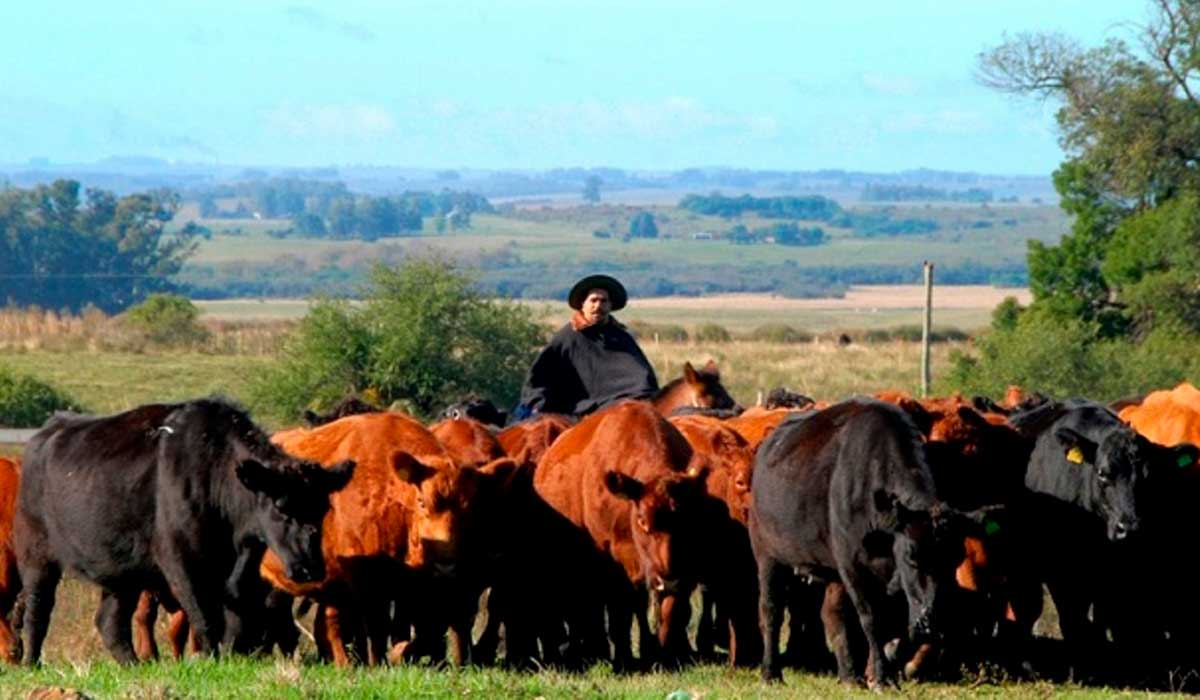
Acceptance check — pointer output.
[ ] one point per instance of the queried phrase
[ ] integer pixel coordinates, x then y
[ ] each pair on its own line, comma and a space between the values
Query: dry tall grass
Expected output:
94, 331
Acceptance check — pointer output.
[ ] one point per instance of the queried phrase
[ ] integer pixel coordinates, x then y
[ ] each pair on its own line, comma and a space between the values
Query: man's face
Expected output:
596, 305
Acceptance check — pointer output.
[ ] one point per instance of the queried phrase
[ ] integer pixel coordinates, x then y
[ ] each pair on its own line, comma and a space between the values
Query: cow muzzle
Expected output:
301, 572
1121, 529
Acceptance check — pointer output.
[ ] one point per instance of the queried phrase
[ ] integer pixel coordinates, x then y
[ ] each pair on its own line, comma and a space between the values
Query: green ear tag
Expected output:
1185, 460
990, 527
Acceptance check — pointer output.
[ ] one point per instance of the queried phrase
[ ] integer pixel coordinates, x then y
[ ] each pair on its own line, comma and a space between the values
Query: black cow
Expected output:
482, 410
161, 498
1091, 484
844, 495
348, 406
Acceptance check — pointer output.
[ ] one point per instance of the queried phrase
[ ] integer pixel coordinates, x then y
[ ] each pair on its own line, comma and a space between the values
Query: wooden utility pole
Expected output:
926, 327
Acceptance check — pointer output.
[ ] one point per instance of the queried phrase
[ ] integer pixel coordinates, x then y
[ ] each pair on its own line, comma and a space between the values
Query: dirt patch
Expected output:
867, 297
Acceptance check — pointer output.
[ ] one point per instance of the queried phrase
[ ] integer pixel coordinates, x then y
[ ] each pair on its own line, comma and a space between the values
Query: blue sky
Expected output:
870, 85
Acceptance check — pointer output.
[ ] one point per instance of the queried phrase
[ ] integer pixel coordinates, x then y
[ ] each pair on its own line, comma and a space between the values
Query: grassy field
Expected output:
565, 236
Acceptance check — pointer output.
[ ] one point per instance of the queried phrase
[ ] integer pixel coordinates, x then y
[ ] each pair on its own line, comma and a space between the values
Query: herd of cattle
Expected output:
900, 536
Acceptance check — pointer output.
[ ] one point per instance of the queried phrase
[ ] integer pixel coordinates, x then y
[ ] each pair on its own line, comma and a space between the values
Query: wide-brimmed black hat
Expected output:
616, 292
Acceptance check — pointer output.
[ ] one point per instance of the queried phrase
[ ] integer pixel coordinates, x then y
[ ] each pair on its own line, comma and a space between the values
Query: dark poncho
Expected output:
581, 371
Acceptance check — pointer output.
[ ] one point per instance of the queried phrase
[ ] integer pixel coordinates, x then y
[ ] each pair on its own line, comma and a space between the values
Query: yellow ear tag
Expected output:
1075, 455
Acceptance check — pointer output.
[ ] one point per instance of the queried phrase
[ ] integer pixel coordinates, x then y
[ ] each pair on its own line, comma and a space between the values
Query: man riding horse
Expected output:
591, 361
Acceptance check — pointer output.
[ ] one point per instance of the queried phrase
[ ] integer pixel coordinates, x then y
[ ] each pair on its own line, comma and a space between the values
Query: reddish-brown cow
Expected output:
526, 442
468, 442
408, 503
10, 583
619, 475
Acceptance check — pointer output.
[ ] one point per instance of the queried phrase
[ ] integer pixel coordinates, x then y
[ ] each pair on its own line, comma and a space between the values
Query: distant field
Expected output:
864, 307
564, 235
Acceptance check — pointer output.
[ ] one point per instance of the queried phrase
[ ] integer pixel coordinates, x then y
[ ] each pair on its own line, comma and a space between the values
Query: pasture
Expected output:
108, 381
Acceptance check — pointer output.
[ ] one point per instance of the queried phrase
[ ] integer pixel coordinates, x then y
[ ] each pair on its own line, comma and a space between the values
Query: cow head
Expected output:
706, 386
454, 509
663, 521
926, 547
291, 502
1116, 471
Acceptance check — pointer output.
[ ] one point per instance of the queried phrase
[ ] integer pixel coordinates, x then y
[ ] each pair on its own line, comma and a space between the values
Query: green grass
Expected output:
105, 382
279, 678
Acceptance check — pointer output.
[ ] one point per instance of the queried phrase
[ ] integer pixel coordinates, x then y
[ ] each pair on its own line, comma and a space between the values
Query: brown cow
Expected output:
10, 582
468, 442
755, 424
527, 441
620, 476
698, 388
731, 586
1167, 417
408, 504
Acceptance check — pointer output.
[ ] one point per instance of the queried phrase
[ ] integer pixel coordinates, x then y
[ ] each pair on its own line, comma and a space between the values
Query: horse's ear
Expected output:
689, 373
710, 367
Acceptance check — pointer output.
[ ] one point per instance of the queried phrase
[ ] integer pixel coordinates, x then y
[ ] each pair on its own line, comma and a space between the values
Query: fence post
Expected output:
926, 327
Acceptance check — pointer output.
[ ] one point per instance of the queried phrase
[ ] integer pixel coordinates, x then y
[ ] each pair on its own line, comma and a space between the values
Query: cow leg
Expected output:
40, 585
856, 590
375, 618
808, 644
772, 594
706, 627
178, 633
834, 610
144, 618
321, 635
113, 622
674, 613
484, 652
333, 627
620, 630
745, 642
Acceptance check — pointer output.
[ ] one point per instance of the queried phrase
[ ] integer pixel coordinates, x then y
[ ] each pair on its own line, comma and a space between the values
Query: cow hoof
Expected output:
770, 676
398, 654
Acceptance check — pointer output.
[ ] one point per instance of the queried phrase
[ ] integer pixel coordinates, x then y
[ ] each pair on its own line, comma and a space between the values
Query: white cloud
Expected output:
891, 84
347, 120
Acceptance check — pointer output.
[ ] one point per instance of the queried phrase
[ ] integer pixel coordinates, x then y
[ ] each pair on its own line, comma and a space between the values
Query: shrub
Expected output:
167, 319
667, 332
780, 333
424, 336
711, 333
26, 402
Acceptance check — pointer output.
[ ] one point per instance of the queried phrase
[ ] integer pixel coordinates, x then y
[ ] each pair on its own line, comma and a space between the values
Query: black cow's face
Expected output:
663, 522
926, 558
1118, 469
291, 504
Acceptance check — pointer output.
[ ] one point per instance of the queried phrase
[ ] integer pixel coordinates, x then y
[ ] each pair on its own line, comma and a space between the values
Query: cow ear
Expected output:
409, 469
920, 416
261, 479
624, 486
689, 374
334, 478
1077, 448
972, 417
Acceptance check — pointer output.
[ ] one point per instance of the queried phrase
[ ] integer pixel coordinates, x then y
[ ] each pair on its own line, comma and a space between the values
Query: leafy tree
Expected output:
591, 189
1126, 280
642, 225
60, 251
424, 335
26, 402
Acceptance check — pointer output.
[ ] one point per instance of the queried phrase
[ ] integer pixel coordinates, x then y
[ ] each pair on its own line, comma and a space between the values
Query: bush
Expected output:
667, 332
711, 333
26, 402
780, 333
424, 336
167, 319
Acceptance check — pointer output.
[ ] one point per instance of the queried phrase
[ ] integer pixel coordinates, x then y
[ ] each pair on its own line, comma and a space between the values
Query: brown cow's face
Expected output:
291, 505
706, 386
663, 522
453, 508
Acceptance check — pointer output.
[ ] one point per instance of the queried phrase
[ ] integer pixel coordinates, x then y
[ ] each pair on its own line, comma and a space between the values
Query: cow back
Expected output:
368, 519
1167, 417
526, 442
468, 442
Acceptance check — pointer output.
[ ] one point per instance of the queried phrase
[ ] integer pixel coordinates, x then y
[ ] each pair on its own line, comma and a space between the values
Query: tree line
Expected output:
61, 249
